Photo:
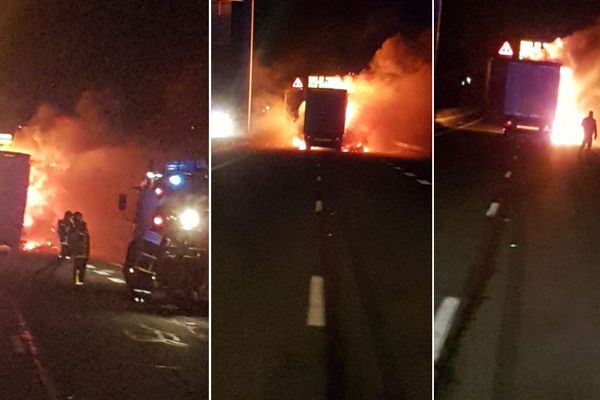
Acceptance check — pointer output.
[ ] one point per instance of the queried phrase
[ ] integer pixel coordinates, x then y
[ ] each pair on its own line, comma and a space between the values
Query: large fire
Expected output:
388, 109
38, 222
566, 129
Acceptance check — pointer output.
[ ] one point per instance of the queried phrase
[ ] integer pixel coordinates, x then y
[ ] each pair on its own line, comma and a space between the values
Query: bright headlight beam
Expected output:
189, 219
221, 125
175, 180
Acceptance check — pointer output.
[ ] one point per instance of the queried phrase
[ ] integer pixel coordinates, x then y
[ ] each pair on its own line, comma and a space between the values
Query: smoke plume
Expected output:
81, 161
390, 101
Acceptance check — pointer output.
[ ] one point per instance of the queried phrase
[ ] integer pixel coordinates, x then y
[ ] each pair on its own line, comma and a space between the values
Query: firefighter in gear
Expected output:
64, 227
589, 130
79, 245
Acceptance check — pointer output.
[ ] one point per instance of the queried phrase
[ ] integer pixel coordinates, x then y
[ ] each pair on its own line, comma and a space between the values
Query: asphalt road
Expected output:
58, 341
321, 276
527, 275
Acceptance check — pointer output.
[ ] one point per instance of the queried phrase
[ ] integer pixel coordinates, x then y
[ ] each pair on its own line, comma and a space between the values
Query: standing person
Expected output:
64, 227
589, 129
79, 244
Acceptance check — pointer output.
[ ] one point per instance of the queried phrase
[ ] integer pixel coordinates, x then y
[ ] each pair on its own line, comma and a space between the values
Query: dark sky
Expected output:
334, 35
472, 30
151, 55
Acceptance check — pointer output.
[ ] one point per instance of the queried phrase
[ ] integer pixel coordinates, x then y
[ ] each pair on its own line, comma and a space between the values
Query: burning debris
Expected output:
388, 110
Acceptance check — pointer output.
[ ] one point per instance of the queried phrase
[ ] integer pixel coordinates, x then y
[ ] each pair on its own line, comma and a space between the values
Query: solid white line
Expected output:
508, 174
319, 206
424, 182
316, 302
492, 210
444, 317
17, 344
410, 174
117, 280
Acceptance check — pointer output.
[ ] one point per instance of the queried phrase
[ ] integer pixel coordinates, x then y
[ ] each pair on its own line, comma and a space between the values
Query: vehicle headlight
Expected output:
189, 219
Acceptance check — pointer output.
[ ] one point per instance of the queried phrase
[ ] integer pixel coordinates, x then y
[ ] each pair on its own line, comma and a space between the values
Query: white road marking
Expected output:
319, 206
424, 182
515, 157
444, 317
319, 179
90, 266
398, 168
101, 272
42, 372
117, 280
508, 174
316, 302
17, 344
409, 174
151, 335
493, 209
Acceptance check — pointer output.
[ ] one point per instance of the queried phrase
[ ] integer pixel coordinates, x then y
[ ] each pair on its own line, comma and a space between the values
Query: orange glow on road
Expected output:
566, 129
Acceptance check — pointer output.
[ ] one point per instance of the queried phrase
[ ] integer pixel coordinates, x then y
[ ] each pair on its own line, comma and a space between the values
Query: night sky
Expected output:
333, 36
472, 31
152, 56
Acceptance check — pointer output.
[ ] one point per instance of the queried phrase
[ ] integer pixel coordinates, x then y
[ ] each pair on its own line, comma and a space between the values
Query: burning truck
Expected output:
325, 110
534, 90
14, 181
524, 91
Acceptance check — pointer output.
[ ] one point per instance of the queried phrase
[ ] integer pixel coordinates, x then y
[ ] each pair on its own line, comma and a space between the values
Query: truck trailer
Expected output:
14, 181
325, 118
523, 92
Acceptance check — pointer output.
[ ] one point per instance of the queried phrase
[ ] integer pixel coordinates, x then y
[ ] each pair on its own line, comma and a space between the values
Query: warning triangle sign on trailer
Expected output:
506, 50
297, 84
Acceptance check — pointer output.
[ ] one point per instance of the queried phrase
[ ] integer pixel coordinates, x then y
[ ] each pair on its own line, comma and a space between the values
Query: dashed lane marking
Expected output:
409, 174
492, 210
17, 344
508, 174
316, 302
424, 182
319, 206
117, 280
319, 179
444, 317
398, 168
90, 266
102, 272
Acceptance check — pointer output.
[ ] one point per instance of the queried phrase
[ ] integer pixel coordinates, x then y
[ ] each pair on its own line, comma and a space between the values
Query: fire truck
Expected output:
168, 253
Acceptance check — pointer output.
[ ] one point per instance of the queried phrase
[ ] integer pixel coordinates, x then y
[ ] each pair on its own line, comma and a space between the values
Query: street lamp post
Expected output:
250, 63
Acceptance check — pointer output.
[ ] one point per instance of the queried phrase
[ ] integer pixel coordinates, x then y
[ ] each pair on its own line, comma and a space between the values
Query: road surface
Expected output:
62, 342
321, 276
526, 270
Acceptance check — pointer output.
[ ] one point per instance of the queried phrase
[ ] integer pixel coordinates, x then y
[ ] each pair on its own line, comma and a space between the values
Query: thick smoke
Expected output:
391, 99
581, 52
82, 161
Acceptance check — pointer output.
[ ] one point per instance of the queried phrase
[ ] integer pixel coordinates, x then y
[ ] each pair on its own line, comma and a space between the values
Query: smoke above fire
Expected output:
389, 102
81, 161
581, 52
